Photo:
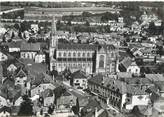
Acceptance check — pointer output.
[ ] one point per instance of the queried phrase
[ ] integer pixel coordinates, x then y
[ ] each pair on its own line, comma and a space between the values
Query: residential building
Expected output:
79, 80
117, 93
48, 97
129, 65
40, 57
3, 56
29, 50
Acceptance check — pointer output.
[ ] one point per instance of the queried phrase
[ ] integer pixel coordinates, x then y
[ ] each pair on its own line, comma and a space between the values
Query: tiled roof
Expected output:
6, 109
155, 77
30, 47
13, 44
76, 46
79, 75
106, 47
127, 62
136, 80
116, 85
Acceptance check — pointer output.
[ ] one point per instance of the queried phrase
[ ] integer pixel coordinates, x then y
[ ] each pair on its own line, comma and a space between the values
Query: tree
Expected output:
87, 23
86, 14
76, 108
67, 74
26, 107
58, 92
12, 35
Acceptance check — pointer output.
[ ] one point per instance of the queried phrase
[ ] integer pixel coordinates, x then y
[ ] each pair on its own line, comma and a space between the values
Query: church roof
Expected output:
72, 46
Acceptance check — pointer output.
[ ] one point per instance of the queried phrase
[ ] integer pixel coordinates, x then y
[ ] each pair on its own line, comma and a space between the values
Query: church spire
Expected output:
54, 39
53, 25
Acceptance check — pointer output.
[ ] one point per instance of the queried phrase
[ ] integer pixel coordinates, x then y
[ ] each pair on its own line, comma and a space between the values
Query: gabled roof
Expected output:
79, 75
116, 85
5, 109
30, 47
72, 46
128, 62
92, 104
13, 44
106, 47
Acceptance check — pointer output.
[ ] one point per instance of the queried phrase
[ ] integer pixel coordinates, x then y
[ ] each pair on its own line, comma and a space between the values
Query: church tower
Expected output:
53, 33
53, 45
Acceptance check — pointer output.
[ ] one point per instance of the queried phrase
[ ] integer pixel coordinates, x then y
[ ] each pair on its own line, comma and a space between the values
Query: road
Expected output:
12, 10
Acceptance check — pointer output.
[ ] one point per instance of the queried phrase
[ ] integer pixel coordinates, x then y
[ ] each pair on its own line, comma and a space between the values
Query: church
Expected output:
86, 57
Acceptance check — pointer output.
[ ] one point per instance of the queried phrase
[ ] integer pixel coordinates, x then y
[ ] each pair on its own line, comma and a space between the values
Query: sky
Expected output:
78, 0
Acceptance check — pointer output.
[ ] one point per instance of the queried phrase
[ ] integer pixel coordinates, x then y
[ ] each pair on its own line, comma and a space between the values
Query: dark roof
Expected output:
13, 44
79, 75
30, 47
47, 93
5, 109
77, 46
137, 80
92, 104
107, 47
41, 78
115, 85
126, 62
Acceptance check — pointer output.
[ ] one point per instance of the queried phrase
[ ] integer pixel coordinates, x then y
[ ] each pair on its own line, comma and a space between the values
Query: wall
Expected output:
133, 69
137, 101
41, 88
3, 57
3, 101
82, 83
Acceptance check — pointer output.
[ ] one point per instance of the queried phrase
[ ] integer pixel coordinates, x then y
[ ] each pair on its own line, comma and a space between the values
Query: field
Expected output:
4, 8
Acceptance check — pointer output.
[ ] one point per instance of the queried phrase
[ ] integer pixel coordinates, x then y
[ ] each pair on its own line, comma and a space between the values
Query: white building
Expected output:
3, 56
79, 80
40, 57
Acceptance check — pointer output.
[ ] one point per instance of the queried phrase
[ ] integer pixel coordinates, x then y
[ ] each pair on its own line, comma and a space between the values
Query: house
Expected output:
94, 109
5, 111
117, 93
29, 50
3, 99
12, 68
129, 65
48, 97
137, 52
79, 79
34, 27
40, 83
67, 100
158, 108
14, 46
3, 56
21, 77
40, 57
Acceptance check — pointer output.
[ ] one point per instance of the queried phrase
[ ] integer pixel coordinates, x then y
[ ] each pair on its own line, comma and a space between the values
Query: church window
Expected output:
74, 54
64, 54
112, 54
101, 61
69, 54
88, 54
83, 54
79, 54
59, 54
